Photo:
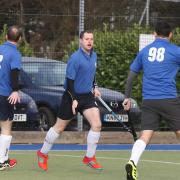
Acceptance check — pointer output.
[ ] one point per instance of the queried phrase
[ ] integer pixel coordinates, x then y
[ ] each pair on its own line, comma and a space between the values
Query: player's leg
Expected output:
137, 150
172, 114
178, 134
51, 136
6, 113
93, 117
149, 123
54, 132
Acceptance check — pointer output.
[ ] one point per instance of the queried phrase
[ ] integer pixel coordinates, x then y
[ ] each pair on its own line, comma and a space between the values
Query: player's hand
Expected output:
14, 97
74, 106
126, 104
96, 92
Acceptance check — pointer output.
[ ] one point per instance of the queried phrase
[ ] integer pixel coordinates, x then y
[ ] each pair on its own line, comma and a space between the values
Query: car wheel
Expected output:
47, 118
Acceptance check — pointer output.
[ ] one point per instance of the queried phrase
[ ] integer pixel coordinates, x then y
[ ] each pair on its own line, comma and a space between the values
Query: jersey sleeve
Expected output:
15, 61
178, 55
72, 67
136, 65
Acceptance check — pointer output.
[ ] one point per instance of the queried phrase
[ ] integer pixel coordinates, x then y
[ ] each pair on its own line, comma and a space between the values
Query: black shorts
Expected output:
6, 109
154, 110
85, 101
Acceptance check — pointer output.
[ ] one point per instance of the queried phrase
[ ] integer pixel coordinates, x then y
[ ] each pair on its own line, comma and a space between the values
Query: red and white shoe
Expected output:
10, 163
42, 160
91, 162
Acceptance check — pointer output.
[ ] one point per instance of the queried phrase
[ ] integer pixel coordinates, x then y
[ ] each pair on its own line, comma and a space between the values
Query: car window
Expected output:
45, 73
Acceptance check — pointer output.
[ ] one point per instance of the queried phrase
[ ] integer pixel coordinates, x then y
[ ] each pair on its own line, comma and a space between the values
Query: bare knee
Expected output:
96, 127
178, 134
60, 125
146, 136
6, 127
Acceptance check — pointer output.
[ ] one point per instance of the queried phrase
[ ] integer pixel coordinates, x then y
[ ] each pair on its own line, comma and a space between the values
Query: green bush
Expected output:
116, 50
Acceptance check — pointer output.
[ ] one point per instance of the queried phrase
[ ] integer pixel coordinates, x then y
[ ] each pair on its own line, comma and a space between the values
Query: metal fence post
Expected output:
81, 16
147, 12
79, 122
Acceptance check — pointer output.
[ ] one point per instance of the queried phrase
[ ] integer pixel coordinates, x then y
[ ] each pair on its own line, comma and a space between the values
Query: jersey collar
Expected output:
10, 44
162, 39
87, 55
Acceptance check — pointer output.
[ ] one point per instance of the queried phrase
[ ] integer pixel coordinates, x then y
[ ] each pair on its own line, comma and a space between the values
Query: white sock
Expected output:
137, 150
92, 140
50, 138
5, 141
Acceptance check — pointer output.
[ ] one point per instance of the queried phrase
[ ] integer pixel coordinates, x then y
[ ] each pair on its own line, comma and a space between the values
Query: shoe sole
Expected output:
2, 169
42, 167
129, 172
98, 169
7, 167
89, 165
11, 166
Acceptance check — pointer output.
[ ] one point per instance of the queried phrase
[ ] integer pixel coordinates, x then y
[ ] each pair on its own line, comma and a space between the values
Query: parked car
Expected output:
26, 115
43, 80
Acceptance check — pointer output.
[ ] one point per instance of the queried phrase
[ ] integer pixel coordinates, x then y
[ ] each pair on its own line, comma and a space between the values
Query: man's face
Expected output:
87, 42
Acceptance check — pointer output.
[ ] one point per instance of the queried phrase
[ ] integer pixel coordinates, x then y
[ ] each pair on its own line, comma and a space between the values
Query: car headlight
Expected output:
133, 104
32, 105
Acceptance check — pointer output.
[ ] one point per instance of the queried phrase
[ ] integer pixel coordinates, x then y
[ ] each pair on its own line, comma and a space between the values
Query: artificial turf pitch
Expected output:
67, 165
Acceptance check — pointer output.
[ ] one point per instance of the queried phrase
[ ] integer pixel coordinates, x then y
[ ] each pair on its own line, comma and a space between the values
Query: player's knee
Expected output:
6, 127
60, 125
96, 127
178, 134
59, 129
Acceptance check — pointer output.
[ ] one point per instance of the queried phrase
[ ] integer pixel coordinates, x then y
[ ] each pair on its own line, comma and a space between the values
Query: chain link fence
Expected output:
49, 27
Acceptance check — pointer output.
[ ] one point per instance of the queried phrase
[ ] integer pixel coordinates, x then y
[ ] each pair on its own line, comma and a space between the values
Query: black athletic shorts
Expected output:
154, 110
6, 109
85, 101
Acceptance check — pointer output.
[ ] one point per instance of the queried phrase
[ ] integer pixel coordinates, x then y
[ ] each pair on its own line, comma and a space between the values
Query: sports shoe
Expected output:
2, 166
131, 170
42, 160
91, 162
10, 163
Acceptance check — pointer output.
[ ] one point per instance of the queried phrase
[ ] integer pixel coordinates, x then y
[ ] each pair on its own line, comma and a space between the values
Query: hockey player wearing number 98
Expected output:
159, 62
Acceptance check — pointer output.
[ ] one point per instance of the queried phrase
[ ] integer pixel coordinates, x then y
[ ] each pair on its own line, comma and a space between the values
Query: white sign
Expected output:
112, 118
145, 39
20, 118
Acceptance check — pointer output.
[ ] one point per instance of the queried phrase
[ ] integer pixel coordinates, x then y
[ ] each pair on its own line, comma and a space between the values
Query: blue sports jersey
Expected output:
160, 63
81, 68
10, 58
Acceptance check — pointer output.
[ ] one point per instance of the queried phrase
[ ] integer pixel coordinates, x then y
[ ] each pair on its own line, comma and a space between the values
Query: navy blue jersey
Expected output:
81, 68
10, 58
160, 63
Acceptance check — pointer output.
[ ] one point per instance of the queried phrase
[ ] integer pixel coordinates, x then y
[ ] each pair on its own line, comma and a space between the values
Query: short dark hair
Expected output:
81, 35
14, 33
163, 29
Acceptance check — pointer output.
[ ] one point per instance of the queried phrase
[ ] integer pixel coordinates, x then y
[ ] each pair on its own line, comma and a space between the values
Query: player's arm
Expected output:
96, 92
128, 89
14, 96
70, 88
14, 79
71, 91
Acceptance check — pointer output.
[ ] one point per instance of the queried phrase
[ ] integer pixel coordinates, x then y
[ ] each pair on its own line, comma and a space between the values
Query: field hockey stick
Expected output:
119, 120
132, 127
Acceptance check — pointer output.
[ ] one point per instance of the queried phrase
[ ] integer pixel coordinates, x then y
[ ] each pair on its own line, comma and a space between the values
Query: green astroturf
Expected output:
67, 165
